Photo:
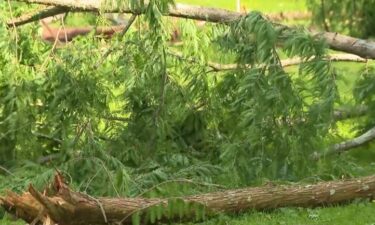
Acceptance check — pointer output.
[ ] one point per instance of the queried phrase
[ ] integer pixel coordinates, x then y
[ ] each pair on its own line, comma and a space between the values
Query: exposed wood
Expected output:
363, 48
65, 34
66, 207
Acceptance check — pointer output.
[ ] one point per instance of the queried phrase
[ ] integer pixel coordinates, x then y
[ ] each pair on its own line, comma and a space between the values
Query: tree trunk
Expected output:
66, 207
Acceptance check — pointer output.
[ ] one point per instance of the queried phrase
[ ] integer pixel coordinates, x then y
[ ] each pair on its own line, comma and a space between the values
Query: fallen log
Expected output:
63, 206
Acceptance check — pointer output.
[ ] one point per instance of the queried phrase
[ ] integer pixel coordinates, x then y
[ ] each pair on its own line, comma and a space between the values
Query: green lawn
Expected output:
261, 5
358, 214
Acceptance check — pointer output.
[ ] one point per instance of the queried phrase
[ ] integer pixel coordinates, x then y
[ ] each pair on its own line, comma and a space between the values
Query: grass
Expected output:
261, 5
357, 213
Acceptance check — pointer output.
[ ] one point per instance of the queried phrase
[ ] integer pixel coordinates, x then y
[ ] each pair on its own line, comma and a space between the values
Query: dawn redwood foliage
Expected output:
141, 115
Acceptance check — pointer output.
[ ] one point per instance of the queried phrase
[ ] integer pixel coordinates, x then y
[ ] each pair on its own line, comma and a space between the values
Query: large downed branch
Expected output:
66, 207
56, 10
363, 48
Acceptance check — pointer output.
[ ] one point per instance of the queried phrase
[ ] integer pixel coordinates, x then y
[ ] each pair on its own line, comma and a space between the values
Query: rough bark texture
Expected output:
363, 48
66, 207
356, 142
347, 145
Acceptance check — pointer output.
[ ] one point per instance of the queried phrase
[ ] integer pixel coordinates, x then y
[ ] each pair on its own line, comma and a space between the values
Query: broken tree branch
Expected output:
63, 206
56, 10
360, 47
348, 145
41, 14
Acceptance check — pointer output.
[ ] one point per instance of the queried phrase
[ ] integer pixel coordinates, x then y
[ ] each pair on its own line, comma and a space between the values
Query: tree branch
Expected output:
56, 10
48, 158
40, 135
123, 32
347, 145
6, 170
217, 67
343, 114
363, 48
41, 14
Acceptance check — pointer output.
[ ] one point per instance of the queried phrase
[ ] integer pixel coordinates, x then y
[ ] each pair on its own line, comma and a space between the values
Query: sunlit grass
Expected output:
358, 214
261, 5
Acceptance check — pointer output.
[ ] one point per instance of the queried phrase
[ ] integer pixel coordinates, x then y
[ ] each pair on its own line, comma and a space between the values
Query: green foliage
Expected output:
179, 120
364, 93
353, 17
142, 116
274, 108
141, 120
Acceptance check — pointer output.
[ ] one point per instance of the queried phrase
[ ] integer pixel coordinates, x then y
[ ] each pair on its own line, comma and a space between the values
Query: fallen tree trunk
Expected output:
66, 207
362, 48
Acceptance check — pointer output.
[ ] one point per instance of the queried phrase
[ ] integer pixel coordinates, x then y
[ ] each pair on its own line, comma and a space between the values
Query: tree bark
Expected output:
66, 207
41, 14
348, 144
363, 48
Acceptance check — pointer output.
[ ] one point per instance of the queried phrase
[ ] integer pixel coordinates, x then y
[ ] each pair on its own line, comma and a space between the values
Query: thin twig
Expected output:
181, 181
6, 170
59, 141
42, 67
123, 32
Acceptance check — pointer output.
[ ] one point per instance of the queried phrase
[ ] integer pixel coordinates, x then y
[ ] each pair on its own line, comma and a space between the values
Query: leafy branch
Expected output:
363, 48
